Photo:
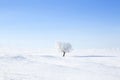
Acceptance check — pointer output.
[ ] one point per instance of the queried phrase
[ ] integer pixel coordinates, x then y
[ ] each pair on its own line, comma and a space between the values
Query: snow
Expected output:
49, 65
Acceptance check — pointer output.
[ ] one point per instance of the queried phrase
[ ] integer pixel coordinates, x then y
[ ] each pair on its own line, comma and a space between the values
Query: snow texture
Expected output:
51, 66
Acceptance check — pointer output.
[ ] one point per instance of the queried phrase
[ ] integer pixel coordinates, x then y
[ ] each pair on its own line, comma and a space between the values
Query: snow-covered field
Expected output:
78, 65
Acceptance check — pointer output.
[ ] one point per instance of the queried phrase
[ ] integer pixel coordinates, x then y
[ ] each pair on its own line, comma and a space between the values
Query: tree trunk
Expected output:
63, 54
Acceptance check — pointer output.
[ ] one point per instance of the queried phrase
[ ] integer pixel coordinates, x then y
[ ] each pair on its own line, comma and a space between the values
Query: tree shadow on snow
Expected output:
90, 56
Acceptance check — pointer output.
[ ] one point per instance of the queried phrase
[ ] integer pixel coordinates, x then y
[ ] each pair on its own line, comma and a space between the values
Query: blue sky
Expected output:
40, 23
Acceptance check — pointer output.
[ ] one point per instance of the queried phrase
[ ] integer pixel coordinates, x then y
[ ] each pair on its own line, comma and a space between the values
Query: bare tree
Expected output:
64, 47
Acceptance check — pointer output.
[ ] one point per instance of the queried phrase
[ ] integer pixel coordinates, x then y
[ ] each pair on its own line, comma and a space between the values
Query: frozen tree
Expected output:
64, 47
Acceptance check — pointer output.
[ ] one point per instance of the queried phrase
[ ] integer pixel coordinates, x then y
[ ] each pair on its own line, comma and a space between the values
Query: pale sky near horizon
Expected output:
40, 23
